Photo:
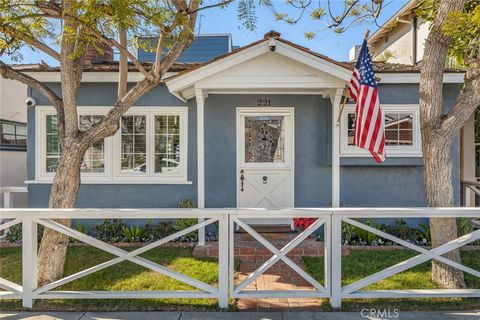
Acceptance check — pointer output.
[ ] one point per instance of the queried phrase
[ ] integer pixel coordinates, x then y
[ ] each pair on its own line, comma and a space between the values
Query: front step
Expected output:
262, 228
271, 233
254, 251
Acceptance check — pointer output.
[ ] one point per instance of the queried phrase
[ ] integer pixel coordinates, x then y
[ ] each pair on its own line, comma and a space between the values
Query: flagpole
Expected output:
345, 96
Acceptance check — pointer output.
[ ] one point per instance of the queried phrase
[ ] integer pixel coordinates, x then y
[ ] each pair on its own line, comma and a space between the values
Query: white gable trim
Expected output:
183, 82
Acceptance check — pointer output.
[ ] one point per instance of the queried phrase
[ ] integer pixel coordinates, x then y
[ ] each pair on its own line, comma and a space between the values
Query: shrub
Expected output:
366, 236
14, 234
132, 234
109, 231
181, 224
402, 230
348, 233
155, 231
424, 233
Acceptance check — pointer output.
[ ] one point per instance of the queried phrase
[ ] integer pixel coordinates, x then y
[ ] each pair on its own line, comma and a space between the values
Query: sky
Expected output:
220, 20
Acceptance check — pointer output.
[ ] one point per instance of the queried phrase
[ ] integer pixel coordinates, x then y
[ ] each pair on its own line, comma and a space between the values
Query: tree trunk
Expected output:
65, 186
439, 193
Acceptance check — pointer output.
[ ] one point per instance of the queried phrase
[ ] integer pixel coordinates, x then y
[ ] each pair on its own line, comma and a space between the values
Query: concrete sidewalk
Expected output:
466, 315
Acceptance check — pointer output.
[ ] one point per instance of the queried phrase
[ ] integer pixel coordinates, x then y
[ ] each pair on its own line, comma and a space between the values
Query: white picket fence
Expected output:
329, 219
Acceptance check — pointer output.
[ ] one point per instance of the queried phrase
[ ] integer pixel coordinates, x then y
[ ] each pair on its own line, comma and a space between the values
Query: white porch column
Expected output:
200, 97
336, 101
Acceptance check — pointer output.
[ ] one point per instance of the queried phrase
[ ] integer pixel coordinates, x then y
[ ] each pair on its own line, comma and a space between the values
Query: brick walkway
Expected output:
280, 276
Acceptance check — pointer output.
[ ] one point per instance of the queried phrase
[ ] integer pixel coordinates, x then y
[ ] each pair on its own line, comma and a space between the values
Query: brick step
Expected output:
254, 251
271, 233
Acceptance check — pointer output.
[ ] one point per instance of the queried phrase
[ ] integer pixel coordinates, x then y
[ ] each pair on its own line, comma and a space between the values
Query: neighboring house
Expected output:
254, 127
13, 139
403, 38
403, 35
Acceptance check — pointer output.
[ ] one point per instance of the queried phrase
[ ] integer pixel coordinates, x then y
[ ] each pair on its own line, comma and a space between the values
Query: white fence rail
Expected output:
471, 192
8, 201
329, 219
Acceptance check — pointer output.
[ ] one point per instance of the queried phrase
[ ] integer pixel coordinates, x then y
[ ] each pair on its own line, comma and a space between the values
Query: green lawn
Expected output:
359, 264
128, 276
123, 276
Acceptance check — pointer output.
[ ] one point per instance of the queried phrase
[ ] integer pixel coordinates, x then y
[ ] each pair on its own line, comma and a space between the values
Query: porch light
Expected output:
272, 44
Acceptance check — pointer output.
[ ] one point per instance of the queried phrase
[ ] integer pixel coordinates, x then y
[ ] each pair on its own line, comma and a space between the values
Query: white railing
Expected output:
471, 190
7, 194
353, 290
31, 218
8, 201
329, 219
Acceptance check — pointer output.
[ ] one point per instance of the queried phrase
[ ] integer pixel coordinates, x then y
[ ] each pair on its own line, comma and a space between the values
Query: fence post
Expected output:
327, 253
223, 269
7, 199
29, 261
201, 233
336, 261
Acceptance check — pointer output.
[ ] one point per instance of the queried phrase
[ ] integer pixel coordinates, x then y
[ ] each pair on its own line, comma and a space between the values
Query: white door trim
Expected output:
289, 111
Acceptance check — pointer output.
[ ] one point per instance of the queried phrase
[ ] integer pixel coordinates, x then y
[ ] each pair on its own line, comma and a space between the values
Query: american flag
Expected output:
369, 123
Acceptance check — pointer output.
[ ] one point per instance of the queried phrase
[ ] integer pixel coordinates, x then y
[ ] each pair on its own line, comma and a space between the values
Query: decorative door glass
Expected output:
264, 139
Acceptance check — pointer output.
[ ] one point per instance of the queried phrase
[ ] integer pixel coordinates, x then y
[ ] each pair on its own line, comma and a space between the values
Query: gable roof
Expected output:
269, 35
407, 10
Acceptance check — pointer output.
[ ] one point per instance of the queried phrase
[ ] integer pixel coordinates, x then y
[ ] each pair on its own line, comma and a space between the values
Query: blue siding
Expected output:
312, 135
398, 182
202, 49
119, 195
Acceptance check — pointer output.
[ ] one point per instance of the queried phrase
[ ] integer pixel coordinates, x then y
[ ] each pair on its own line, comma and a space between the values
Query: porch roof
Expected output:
269, 63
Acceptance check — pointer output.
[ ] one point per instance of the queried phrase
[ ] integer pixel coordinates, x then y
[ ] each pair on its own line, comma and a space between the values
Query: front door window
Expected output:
264, 139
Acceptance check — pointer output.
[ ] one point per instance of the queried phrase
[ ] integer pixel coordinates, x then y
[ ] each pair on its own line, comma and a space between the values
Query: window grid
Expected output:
167, 143
54, 149
94, 159
134, 143
401, 132
106, 156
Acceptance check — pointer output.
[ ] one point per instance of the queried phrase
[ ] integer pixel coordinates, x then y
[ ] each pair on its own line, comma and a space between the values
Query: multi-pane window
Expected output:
150, 145
13, 135
94, 159
401, 131
134, 144
53, 148
167, 143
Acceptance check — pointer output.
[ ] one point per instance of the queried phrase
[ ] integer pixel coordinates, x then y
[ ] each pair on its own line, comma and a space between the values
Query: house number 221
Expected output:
263, 103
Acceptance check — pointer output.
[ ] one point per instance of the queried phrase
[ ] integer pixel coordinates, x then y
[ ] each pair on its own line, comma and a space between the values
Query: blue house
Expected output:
250, 127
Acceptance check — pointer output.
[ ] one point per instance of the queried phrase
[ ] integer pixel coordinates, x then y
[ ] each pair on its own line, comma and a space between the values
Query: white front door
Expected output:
265, 157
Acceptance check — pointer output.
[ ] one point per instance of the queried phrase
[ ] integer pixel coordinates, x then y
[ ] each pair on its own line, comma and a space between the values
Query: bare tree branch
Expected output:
467, 101
8, 72
122, 65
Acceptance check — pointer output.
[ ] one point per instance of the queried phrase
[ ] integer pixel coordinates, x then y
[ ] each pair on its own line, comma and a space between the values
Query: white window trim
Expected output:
112, 148
391, 151
150, 174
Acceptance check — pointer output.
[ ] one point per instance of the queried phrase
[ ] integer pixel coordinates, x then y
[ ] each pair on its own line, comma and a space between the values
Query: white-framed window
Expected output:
152, 143
150, 146
402, 132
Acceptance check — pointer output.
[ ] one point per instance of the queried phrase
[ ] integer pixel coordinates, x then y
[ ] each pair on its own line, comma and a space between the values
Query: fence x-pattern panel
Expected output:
228, 220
